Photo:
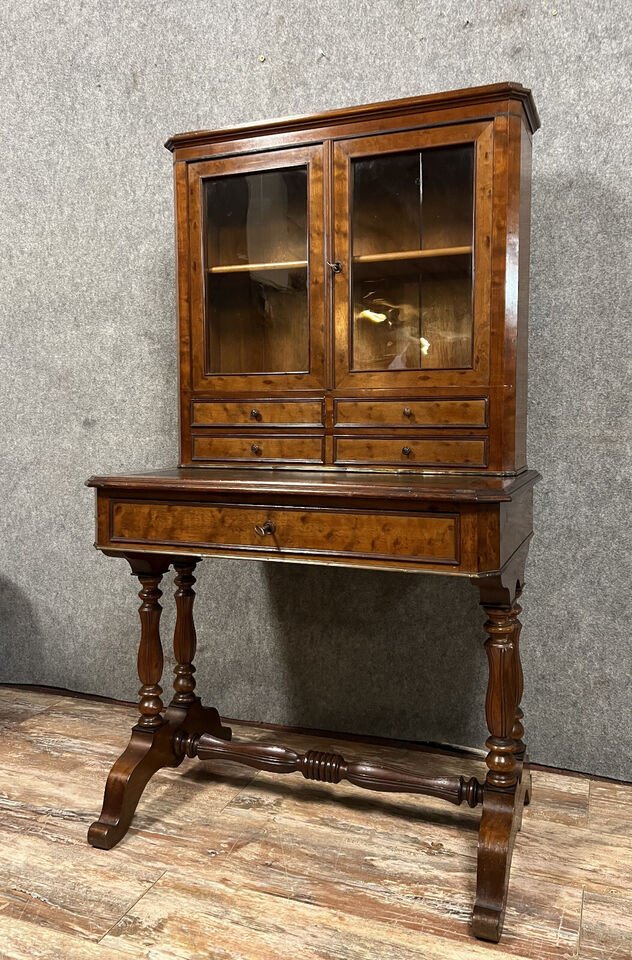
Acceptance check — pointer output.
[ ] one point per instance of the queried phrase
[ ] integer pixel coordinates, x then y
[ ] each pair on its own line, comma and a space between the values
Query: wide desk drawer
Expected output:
253, 413
421, 452
411, 413
389, 535
261, 449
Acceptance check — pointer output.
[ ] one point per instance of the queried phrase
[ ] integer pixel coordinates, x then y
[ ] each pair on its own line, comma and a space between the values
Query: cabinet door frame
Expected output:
204, 382
479, 134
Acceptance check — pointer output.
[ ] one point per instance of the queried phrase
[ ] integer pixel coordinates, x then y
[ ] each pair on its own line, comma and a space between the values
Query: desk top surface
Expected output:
345, 485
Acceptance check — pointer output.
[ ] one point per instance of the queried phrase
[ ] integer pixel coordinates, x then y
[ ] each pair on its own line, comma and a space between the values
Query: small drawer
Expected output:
427, 452
412, 413
390, 536
253, 413
259, 449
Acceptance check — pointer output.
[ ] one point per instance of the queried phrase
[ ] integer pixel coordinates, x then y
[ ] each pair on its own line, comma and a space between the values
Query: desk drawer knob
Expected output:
407, 412
265, 529
406, 451
255, 414
256, 449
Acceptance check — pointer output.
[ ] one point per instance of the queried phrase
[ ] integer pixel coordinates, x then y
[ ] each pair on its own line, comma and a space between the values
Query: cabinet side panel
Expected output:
523, 299
516, 522
184, 313
510, 261
501, 406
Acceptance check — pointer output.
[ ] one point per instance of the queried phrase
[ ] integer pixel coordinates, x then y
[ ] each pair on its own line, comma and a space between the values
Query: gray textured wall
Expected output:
88, 371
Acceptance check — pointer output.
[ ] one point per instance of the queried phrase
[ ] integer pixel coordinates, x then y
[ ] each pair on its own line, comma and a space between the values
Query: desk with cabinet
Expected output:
353, 293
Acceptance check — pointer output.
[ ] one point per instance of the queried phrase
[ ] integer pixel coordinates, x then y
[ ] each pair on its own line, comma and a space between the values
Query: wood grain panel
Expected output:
602, 863
610, 808
606, 930
341, 485
253, 413
411, 413
411, 450
405, 536
259, 449
34, 940
57, 884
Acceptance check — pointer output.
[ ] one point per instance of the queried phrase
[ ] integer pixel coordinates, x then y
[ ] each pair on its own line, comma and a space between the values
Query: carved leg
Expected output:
505, 786
518, 727
184, 638
150, 747
185, 710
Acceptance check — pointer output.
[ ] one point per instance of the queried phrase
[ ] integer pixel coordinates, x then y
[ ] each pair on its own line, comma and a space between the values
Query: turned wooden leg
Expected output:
517, 732
185, 710
152, 742
184, 638
505, 785
150, 747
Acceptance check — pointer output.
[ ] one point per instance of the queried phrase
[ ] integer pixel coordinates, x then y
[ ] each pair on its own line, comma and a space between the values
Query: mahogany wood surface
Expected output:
330, 768
501, 136
413, 466
184, 638
258, 448
485, 97
343, 485
151, 746
422, 537
424, 451
408, 414
257, 413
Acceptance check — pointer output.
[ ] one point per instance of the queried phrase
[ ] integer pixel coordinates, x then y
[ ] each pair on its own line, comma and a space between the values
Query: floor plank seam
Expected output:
238, 794
15, 724
581, 921
131, 906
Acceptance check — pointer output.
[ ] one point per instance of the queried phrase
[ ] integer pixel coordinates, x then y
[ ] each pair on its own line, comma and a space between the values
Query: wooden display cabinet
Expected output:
352, 320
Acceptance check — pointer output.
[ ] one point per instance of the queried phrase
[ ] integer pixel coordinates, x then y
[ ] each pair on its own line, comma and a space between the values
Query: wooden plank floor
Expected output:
226, 863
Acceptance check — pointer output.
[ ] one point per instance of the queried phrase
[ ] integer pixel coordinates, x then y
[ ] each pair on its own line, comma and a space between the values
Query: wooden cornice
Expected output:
489, 94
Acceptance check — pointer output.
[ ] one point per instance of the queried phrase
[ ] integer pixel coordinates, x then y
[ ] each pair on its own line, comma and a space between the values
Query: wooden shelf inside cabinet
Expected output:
366, 411
412, 254
251, 267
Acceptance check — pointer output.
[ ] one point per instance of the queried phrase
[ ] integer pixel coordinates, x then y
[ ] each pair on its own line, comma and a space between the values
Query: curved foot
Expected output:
147, 752
502, 814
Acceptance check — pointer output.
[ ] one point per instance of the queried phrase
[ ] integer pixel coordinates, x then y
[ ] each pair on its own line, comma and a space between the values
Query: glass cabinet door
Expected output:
257, 313
414, 218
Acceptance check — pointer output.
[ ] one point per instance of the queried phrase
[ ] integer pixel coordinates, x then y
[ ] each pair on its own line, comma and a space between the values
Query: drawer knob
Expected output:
407, 412
256, 449
265, 529
406, 451
255, 414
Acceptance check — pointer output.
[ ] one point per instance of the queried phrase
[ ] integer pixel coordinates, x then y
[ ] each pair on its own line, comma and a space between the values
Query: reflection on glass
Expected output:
412, 229
255, 236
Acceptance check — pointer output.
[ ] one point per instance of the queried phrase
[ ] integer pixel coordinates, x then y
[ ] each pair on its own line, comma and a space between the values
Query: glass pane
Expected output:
255, 236
412, 233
